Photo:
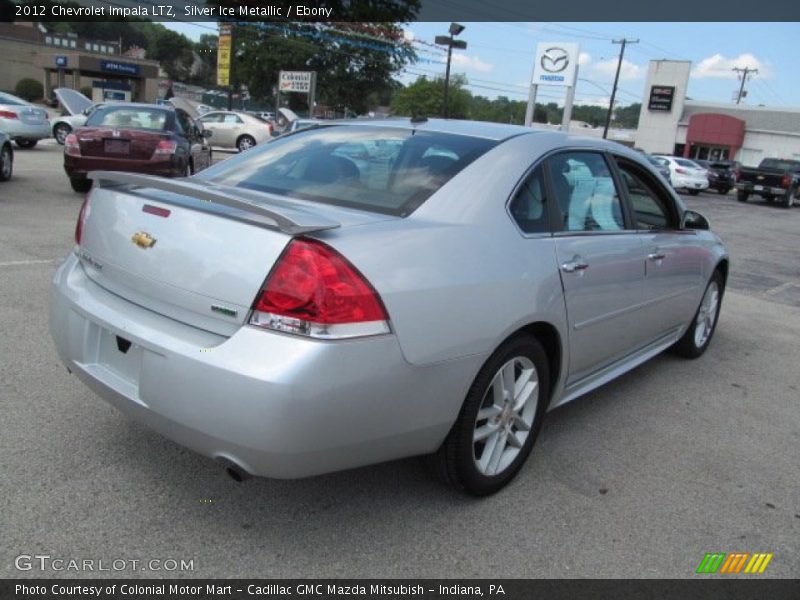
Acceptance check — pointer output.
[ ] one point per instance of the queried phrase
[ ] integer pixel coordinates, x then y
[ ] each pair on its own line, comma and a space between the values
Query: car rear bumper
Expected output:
689, 183
15, 128
276, 405
761, 189
77, 167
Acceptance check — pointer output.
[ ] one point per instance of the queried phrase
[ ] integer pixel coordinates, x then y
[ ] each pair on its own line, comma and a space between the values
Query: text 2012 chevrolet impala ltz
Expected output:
365, 291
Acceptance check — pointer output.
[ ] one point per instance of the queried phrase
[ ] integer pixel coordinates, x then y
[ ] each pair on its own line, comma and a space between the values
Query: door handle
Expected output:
656, 255
575, 265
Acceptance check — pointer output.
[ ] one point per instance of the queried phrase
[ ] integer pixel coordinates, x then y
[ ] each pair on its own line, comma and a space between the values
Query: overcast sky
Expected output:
499, 57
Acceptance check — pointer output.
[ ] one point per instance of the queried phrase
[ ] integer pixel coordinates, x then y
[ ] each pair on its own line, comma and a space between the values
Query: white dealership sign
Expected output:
556, 63
295, 81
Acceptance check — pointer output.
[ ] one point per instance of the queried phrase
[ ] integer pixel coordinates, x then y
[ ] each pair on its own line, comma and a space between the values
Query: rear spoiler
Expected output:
292, 221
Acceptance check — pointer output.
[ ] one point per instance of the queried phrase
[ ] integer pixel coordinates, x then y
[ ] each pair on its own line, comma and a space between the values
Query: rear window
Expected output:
783, 165
128, 117
11, 100
687, 163
385, 170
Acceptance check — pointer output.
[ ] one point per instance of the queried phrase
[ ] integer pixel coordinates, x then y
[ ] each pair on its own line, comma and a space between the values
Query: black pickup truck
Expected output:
773, 178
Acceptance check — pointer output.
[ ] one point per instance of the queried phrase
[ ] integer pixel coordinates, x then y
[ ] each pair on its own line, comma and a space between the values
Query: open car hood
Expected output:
74, 102
195, 109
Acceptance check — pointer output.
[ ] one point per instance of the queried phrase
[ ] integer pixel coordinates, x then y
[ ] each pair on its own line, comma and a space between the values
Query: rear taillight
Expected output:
681, 171
786, 180
7, 114
71, 145
166, 147
315, 291
81, 220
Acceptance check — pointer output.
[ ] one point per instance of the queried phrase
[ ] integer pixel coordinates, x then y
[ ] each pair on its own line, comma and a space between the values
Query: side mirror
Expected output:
87, 111
694, 220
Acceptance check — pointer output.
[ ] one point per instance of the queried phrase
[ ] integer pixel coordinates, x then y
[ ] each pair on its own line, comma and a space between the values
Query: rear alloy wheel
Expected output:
788, 201
499, 421
80, 185
6, 163
26, 143
60, 132
742, 196
698, 336
245, 142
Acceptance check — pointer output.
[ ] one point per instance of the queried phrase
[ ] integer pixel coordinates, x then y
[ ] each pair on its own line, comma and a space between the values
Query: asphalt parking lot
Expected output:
639, 479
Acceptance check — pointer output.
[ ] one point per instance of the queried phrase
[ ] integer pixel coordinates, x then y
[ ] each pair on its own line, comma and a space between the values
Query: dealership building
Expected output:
30, 50
669, 123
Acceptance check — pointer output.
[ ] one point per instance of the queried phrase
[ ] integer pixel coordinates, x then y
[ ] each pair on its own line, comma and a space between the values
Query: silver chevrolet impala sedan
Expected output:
365, 291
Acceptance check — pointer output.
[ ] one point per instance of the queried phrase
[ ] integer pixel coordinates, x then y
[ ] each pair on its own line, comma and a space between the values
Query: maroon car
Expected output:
143, 138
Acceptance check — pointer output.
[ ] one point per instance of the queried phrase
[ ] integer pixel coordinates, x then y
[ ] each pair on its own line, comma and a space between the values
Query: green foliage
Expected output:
29, 89
425, 97
352, 61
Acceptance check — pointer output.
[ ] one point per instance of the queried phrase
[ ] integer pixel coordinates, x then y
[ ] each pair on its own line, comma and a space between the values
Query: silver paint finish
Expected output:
457, 278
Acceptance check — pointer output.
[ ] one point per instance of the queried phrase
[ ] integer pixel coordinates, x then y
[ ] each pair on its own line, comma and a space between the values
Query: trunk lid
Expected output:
205, 261
135, 144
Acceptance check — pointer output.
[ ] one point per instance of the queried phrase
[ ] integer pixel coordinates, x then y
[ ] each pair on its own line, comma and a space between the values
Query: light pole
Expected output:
450, 42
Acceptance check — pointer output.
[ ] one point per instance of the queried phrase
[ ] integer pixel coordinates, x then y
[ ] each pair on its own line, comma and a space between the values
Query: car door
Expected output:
672, 261
196, 143
600, 262
220, 136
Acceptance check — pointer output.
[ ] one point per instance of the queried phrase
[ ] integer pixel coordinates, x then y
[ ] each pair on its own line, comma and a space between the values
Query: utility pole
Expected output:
745, 72
623, 43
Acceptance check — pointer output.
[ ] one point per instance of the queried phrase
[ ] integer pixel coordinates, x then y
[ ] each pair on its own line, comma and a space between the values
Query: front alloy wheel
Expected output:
499, 420
60, 132
698, 335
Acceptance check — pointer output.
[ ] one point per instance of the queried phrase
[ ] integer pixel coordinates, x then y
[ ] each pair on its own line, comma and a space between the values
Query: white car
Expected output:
235, 129
686, 174
79, 108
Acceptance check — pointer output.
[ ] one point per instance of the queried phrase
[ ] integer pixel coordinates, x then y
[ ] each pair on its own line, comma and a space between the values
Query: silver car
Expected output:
79, 108
292, 311
22, 121
235, 129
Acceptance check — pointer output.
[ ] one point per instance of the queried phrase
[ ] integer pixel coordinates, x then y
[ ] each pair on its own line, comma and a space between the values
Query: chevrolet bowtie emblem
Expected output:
143, 239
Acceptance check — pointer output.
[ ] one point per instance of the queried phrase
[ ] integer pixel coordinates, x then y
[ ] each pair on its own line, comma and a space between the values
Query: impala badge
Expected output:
143, 239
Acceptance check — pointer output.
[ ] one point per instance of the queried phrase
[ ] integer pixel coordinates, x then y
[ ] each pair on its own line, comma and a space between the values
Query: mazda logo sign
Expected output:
555, 60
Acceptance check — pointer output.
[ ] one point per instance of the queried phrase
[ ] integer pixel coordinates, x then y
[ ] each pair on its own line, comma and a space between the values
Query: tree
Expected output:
425, 97
352, 60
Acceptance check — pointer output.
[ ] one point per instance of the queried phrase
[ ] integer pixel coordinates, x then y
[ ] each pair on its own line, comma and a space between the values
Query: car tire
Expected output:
60, 132
245, 142
80, 185
25, 143
188, 172
488, 411
693, 192
697, 337
6, 162
742, 196
788, 201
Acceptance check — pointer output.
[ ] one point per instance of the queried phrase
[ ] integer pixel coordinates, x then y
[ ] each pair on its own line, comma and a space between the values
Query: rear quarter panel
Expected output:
457, 276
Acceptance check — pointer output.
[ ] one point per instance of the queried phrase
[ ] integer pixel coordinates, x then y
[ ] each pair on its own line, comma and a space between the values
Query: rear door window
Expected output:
585, 192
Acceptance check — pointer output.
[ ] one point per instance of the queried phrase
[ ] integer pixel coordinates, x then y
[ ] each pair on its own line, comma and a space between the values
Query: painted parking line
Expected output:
16, 263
